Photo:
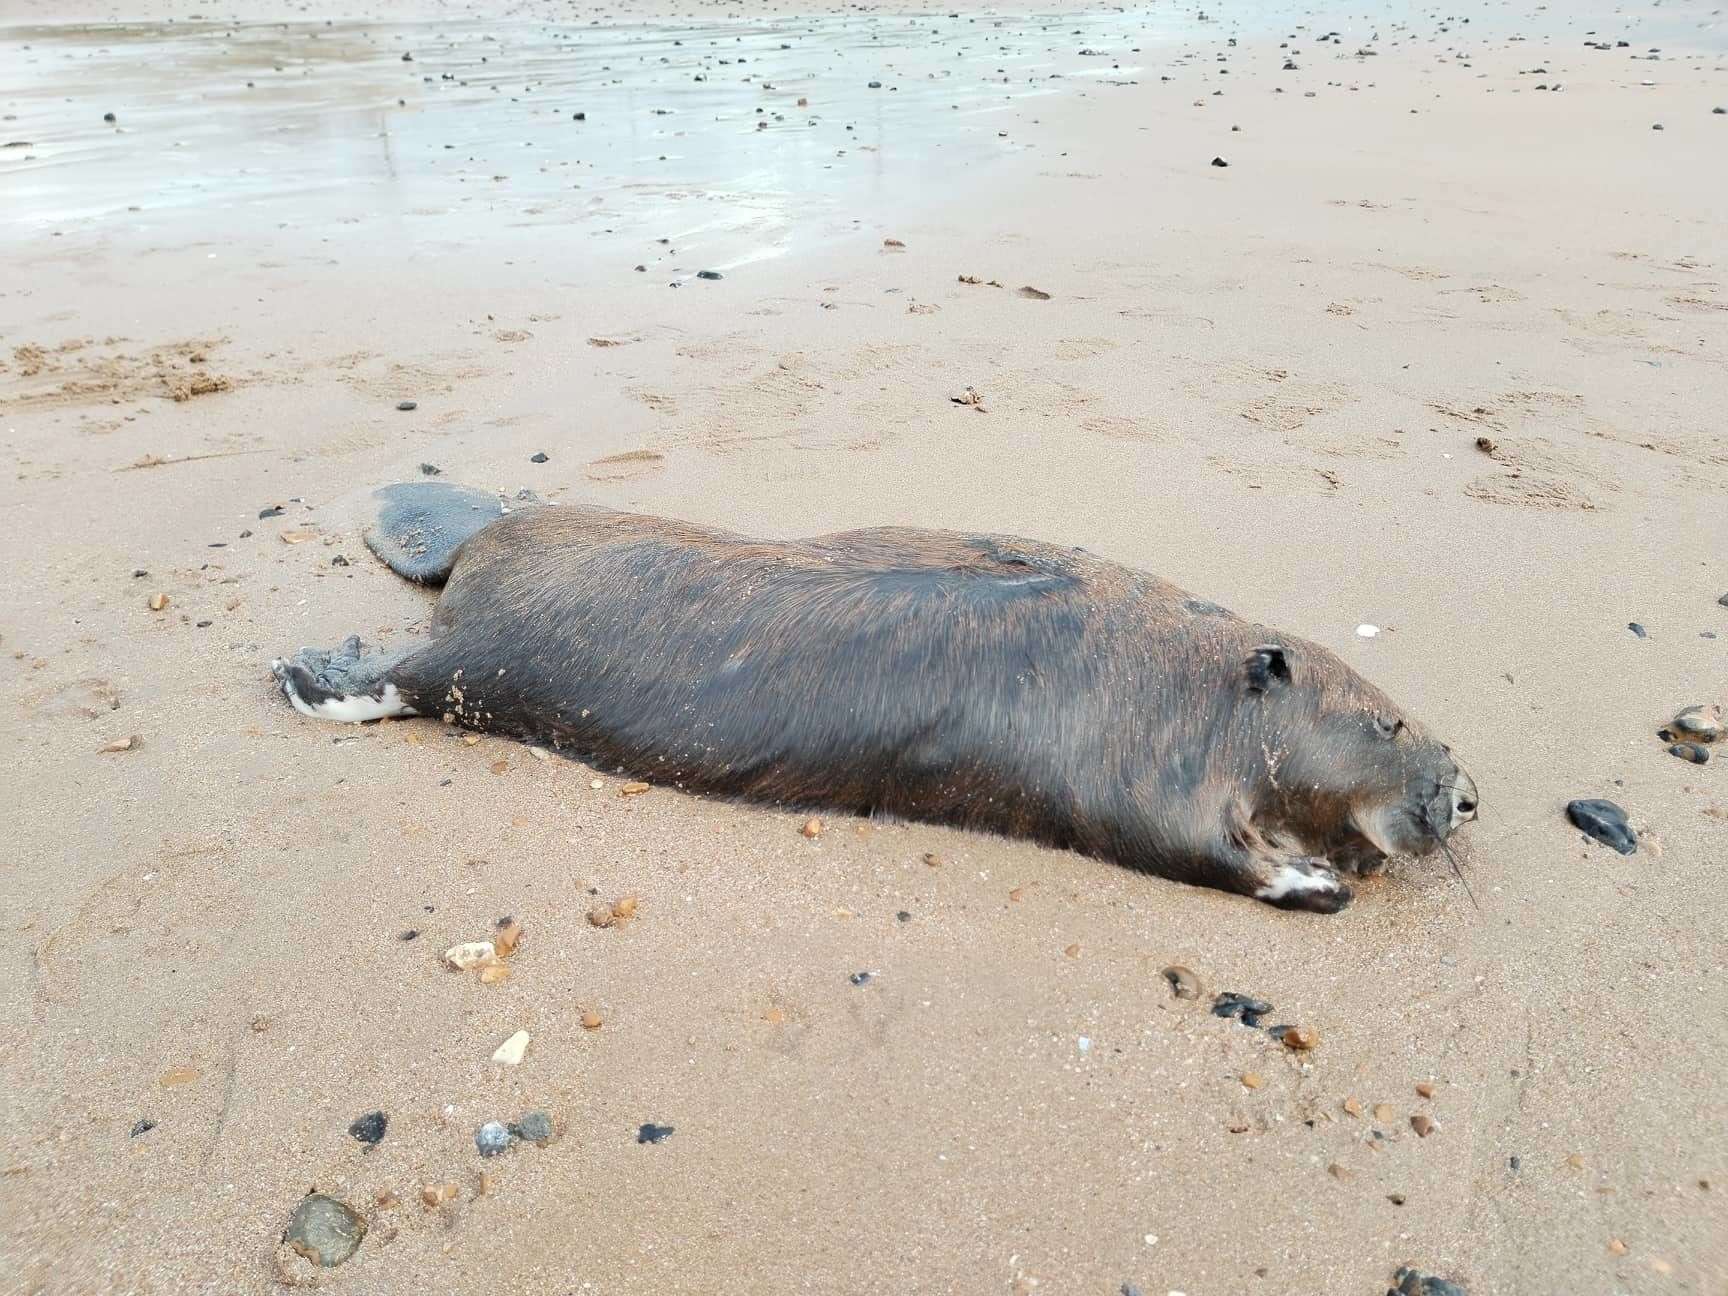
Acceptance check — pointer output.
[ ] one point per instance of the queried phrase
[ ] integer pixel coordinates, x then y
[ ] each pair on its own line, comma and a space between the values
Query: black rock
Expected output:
861, 978
430, 470
1637, 629
340, 561
1289, 65
652, 1133
1723, 600
1657, 126
580, 116
408, 935
407, 58
709, 274
904, 915
405, 406
1246, 1010
142, 1127
1411, 1282
109, 117
539, 457
1218, 161
875, 85
1689, 752
275, 510
1719, 111
370, 1127
1604, 821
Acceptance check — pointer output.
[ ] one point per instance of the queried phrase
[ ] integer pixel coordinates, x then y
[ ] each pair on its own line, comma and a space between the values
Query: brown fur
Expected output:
988, 682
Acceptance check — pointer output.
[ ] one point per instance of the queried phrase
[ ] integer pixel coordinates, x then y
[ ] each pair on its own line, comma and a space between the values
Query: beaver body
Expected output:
986, 682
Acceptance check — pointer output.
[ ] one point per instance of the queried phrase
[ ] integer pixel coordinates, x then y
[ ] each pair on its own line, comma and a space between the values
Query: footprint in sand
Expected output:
626, 466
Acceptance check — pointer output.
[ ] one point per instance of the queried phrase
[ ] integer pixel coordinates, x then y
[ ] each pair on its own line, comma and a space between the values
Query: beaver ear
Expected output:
1268, 662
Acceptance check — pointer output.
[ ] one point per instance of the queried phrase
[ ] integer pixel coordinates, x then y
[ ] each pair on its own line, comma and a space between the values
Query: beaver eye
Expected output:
1387, 728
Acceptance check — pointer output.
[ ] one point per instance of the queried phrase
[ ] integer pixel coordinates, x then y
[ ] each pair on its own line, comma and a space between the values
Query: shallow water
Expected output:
744, 131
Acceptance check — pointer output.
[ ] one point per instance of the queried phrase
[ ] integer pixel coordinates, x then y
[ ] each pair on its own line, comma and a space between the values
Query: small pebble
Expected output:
109, 117
158, 602
861, 978
1689, 752
709, 274
875, 85
513, 1050
1637, 629
142, 1127
1219, 162
1298, 1039
1424, 1090
1604, 821
539, 457
1183, 983
470, 954
370, 1127
324, 1230
1423, 1125
592, 1021
534, 1127
492, 1139
1410, 1282
1251, 1080
405, 406
652, 1133
1244, 1009
1699, 724
812, 828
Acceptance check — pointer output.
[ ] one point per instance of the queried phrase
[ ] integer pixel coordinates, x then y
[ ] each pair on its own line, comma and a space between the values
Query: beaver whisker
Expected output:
1457, 871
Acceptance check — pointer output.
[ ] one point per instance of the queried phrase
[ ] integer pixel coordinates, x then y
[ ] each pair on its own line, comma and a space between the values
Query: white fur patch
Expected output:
353, 709
1288, 880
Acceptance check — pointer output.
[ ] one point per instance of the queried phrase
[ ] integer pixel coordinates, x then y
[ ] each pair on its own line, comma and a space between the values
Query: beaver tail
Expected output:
422, 525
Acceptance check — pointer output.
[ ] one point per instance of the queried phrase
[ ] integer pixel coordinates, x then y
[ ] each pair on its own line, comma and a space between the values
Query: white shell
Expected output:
512, 1050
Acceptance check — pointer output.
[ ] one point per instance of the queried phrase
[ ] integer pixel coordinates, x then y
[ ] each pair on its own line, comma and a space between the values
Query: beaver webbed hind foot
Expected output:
344, 684
1304, 883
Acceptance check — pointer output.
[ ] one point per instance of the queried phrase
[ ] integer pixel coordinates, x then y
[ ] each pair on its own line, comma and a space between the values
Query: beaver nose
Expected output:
1463, 798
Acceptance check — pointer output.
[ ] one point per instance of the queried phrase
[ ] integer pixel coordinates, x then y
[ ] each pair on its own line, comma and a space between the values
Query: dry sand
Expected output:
1265, 382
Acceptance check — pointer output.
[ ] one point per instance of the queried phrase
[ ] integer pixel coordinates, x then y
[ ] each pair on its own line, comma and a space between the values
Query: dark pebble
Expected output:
408, 935
340, 561
137, 572
1129, 1289
1719, 111
405, 406
652, 1133
540, 457
1604, 821
581, 116
370, 1127
1723, 600
1244, 1009
324, 1230
109, 117
246, 534
904, 915
431, 470
534, 1127
861, 978
407, 58
1689, 752
875, 85
275, 510
709, 274
1513, 1162
142, 1127
1658, 126
1219, 162
1411, 1282
204, 625
1637, 629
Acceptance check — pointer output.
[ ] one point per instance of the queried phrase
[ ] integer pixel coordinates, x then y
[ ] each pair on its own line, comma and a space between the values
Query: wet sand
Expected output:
1266, 382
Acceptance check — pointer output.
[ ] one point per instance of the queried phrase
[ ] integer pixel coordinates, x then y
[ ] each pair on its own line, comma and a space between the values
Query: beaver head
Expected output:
1351, 776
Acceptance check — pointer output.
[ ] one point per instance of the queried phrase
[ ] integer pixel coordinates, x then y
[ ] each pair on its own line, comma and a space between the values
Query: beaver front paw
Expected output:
1304, 884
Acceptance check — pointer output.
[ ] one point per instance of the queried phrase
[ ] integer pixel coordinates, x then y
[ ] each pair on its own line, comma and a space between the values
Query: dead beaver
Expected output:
986, 682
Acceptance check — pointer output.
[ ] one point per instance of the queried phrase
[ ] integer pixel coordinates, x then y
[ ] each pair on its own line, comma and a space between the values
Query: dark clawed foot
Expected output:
1307, 884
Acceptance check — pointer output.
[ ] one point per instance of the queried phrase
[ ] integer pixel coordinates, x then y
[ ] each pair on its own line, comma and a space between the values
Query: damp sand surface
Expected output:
1441, 350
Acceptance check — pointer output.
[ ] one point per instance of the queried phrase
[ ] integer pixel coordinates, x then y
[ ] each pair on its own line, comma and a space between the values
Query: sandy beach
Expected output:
1440, 349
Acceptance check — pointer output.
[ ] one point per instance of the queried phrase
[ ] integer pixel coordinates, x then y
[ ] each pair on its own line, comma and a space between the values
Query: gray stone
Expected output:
492, 1139
534, 1127
324, 1230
